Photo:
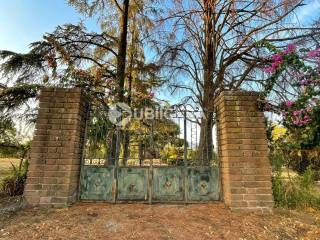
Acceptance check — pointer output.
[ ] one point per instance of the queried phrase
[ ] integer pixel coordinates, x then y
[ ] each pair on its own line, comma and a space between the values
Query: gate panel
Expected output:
96, 183
132, 183
202, 184
167, 184
158, 163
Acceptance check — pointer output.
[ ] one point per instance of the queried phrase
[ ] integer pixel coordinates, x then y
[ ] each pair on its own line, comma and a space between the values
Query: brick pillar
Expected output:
57, 148
243, 151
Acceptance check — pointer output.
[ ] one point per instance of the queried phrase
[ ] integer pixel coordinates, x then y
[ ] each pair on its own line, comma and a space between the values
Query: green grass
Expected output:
5, 165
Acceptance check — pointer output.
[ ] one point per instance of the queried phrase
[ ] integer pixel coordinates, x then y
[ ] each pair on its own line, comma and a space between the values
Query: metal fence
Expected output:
170, 139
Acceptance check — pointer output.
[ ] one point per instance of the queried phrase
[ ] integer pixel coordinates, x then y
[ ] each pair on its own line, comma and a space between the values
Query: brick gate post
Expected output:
243, 152
56, 150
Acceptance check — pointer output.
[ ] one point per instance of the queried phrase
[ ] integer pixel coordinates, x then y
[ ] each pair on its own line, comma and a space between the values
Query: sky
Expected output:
25, 21
309, 12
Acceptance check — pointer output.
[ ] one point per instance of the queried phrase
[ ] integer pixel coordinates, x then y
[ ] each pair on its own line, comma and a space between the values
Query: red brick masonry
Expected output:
57, 148
243, 151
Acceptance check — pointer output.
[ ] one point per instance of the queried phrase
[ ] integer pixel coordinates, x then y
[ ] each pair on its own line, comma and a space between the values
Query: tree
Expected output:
73, 56
218, 45
131, 15
7, 132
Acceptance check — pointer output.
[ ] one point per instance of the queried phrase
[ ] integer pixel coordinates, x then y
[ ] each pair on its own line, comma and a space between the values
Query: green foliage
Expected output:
7, 130
171, 154
13, 184
10, 145
285, 151
298, 192
290, 149
14, 97
16, 62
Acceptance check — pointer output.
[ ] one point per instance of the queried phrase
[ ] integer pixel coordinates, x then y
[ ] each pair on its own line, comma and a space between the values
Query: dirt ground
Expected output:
142, 221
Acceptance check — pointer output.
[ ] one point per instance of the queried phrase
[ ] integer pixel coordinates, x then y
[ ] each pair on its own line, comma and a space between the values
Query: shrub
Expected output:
13, 184
298, 192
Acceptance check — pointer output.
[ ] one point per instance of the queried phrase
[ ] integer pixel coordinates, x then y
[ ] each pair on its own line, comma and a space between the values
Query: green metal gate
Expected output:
149, 184
109, 181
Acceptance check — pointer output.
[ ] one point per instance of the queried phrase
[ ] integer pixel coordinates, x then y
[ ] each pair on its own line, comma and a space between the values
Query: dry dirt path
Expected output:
142, 221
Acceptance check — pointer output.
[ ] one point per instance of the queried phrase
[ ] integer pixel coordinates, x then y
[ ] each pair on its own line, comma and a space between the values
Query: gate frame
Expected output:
212, 172
54, 171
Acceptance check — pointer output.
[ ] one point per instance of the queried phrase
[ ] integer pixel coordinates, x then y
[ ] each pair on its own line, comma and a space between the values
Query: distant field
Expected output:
5, 165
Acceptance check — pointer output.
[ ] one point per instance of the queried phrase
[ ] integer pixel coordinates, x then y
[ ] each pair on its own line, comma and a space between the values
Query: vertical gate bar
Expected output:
83, 157
96, 129
185, 155
140, 152
151, 163
150, 178
115, 172
218, 155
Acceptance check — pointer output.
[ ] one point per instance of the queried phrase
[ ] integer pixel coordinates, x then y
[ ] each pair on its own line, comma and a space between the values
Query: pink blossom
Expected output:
306, 118
277, 58
297, 112
314, 53
301, 117
151, 94
275, 65
289, 104
273, 68
296, 122
268, 70
291, 48
300, 122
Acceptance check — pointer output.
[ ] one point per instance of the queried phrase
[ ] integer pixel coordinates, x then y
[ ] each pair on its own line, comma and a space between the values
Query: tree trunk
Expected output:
122, 50
205, 151
126, 144
126, 147
126, 133
112, 150
206, 143
141, 156
121, 69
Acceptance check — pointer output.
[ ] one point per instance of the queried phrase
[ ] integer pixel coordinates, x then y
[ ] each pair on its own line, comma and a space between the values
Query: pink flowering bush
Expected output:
299, 147
278, 58
301, 111
300, 114
290, 49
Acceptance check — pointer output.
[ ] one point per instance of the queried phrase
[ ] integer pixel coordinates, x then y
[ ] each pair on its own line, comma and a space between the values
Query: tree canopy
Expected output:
199, 47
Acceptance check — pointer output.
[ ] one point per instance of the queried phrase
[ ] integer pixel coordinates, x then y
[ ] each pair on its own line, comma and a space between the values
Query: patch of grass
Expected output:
296, 192
6, 165
12, 184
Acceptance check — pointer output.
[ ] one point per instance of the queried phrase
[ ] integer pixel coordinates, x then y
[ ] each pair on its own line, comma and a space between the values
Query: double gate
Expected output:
149, 184
168, 180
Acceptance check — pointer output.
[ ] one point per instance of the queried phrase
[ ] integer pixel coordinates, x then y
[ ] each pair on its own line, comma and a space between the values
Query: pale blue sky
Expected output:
25, 21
